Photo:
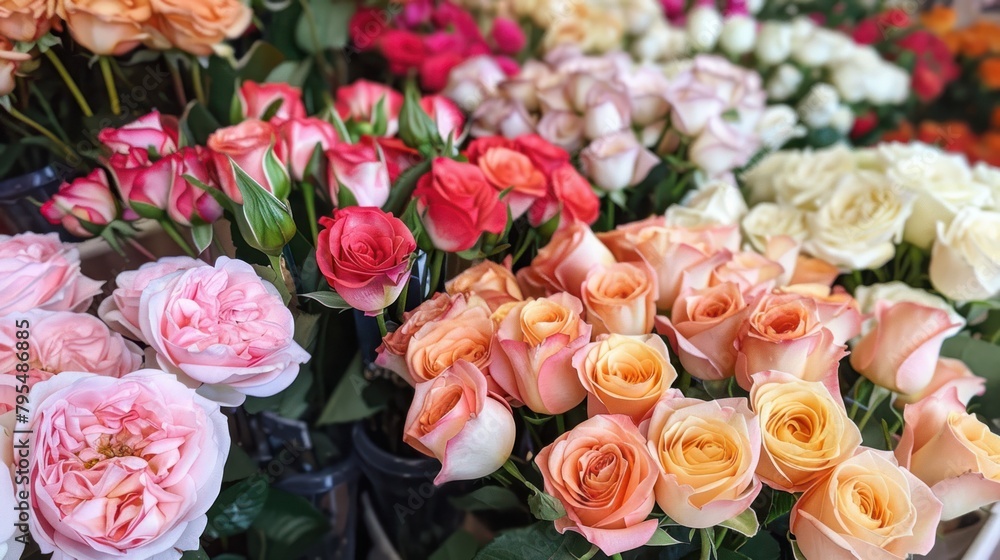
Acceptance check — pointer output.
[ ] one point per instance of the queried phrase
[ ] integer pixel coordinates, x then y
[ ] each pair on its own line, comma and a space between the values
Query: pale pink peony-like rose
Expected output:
37, 271
122, 468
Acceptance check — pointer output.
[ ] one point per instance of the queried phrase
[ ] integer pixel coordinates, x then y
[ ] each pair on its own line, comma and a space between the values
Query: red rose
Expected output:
364, 253
246, 143
458, 205
87, 199
544, 154
508, 36
151, 131
366, 26
864, 124
434, 70
403, 49
867, 32
256, 99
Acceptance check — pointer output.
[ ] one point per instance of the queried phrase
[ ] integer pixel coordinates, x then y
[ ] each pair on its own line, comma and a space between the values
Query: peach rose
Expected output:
199, 27
900, 353
108, 28
463, 333
805, 430
602, 474
493, 282
536, 340
948, 373
838, 310
10, 62
25, 20
563, 264
866, 507
454, 418
391, 354
703, 327
952, 452
620, 298
505, 169
785, 333
624, 374
706, 452
754, 273
809, 270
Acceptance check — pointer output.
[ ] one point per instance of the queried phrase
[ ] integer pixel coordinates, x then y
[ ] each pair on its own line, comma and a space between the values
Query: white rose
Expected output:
843, 119
861, 223
818, 106
739, 33
784, 82
989, 176
716, 203
639, 15
965, 260
774, 44
808, 180
943, 184
855, 75
777, 125
473, 81
767, 220
892, 86
812, 46
755, 6
896, 292
704, 26
759, 180
654, 43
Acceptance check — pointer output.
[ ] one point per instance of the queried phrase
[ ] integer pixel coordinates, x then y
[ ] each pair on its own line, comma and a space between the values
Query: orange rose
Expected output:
939, 19
112, 27
197, 26
465, 335
620, 298
989, 72
25, 20
563, 264
507, 169
493, 282
624, 374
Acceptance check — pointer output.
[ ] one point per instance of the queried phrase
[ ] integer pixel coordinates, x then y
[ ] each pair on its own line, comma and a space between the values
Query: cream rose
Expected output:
767, 220
717, 203
493, 282
965, 260
620, 298
624, 374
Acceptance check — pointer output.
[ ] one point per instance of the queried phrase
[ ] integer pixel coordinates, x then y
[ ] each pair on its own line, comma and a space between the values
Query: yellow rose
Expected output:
624, 374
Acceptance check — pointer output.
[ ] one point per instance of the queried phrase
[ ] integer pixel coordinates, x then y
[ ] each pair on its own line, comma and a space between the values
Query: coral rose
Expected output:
464, 333
564, 263
247, 144
458, 205
493, 282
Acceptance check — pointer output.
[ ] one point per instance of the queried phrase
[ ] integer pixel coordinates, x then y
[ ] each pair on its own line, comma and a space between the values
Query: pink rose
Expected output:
617, 161
66, 341
224, 327
86, 201
570, 196
866, 507
754, 273
126, 168
257, 99
533, 361
564, 263
951, 451
37, 271
785, 333
508, 36
707, 453
364, 253
362, 169
474, 80
122, 468
562, 128
458, 205
505, 117
602, 474
703, 328
120, 310
710, 87
162, 186
246, 144
358, 101
949, 373
398, 156
153, 131
722, 147
838, 310
454, 418
448, 117
299, 138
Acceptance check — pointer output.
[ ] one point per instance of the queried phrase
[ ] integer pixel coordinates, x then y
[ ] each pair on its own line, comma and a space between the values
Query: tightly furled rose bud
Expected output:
563, 264
198, 28
256, 100
299, 138
152, 132
162, 186
624, 374
493, 282
805, 430
37, 271
536, 340
454, 418
603, 475
359, 100
458, 205
706, 452
362, 169
247, 144
87, 200
620, 298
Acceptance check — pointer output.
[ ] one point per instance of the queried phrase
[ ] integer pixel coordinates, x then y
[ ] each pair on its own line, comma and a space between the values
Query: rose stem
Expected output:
142, 250
199, 91
175, 75
44, 131
437, 261
171, 230
69, 83
401, 302
309, 197
381, 324
706, 545
109, 83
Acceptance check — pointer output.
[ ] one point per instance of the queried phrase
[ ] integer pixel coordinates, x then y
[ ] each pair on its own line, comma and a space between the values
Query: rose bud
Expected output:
256, 101
358, 101
87, 201
153, 131
362, 169
298, 141
247, 145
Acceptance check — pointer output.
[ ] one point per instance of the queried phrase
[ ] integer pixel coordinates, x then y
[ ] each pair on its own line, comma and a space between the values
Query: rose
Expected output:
706, 453
126, 168
360, 100
754, 273
10, 547
819, 105
948, 374
474, 80
608, 110
391, 353
24, 21
703, 327
895, 292
66, 341
505, 117
545, 155
362, 170
398, 156
458, 205
952, 452
620, 298
804, 179
110, 29
455, 419
258, 100
805, 430
493, 282
449, 118
838, 311
813, 271
37, 271
464, 332
163, 186
535, 341
624, 374
775, 43
602, 474
739, 35
901, 351
722, 147
221, 327
199, 28
710, 87
249, 145
563, 264
704, 27
562, 128
767, 220
86, 201
778, 125
714, 204
506, 169
617, 161
570, 195
153, 132
964, 258
122, 468
364, 253
10, 60
866, 507
299, 138
786, 333
120, 310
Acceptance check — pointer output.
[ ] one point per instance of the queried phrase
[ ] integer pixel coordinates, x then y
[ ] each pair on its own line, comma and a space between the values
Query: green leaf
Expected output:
199, 554
202, 235
323, 25
306, 328
239, 464
744, 523
545, 506
381, 123
461, 545
272, 109
401, 192
726, 554
662, 538
229, 556
328, 299
982, 358
265, 222
347, 403
763, 545
416, 128
260, 60
237, 507
277, 174
286, 527
781, 504
197, 123
537, 542
345, 197
488, 498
